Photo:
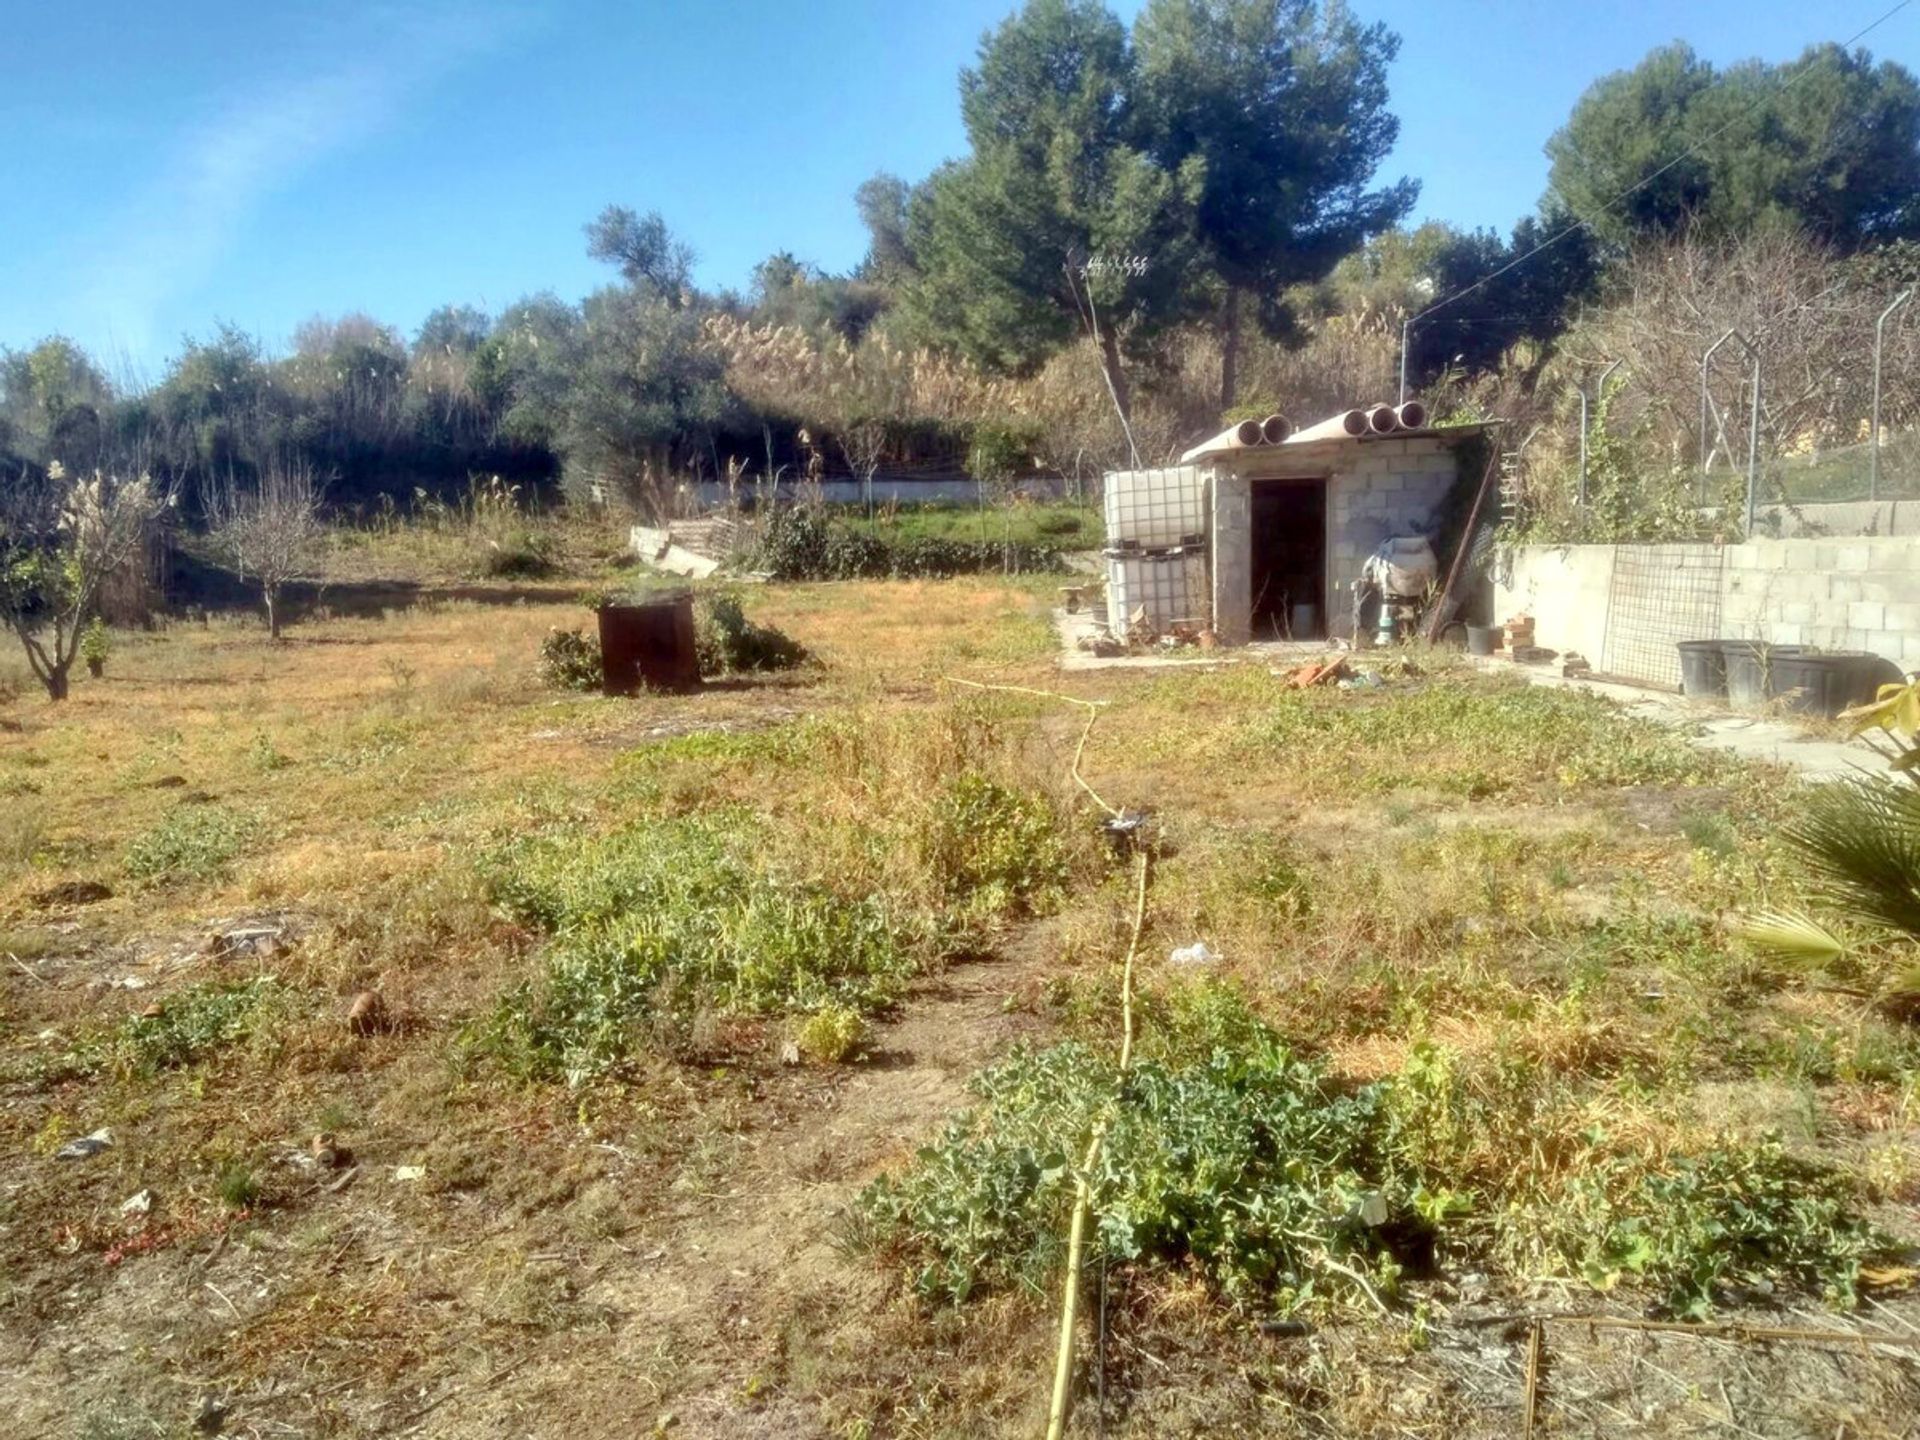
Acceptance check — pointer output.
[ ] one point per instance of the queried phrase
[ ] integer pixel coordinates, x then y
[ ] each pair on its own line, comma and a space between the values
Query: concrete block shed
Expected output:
1253, 533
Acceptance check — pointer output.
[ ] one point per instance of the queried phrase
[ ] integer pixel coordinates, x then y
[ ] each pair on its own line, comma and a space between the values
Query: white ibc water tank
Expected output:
1155, 509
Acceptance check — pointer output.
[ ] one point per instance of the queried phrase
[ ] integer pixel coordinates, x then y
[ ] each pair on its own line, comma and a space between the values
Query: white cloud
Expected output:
173, 233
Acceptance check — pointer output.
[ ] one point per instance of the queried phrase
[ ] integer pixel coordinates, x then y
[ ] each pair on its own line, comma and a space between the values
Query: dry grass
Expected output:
1542, 905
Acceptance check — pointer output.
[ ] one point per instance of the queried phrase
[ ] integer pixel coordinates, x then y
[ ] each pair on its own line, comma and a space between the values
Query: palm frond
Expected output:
1860, 842
1901, 993
1789, 932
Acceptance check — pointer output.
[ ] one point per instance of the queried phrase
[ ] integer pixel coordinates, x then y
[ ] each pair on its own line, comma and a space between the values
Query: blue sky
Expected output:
167, 166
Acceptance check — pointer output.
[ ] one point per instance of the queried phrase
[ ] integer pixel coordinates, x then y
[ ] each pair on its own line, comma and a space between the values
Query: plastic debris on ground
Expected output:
1197, 953
86, 1147
1125, 830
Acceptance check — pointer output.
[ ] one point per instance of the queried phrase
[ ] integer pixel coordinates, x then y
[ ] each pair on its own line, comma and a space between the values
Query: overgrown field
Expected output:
733, 1053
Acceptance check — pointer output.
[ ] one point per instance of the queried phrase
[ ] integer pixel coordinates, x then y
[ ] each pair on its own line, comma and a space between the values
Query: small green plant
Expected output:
239, 1187
570, 660
194, 842
833, 1034
728, 642
186, 1027
1740, 1214
1241, 1164
1225, 1154
96, 645
1711, 832
265, 756
522, 553
998, 849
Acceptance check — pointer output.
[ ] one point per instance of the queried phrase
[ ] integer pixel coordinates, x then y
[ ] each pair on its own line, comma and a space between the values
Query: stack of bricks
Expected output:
1519, 634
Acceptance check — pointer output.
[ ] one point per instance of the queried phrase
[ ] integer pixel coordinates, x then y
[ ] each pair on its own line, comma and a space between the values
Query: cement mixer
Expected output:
1393, 588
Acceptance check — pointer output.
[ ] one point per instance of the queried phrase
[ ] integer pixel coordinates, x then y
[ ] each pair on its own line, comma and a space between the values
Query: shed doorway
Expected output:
1288, 524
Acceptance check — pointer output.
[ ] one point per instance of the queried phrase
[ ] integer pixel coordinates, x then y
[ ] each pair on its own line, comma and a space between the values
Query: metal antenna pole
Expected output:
1873, 450
1753, 441
1406, 330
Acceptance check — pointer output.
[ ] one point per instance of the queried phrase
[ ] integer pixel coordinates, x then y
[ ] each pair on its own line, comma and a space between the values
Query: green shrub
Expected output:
656, 924
1744, 1214
806, 543
996, 848
729, 643
192, 842
239, 1187
832, 1035
570, 660
95, 643
1240, 1164
523, 554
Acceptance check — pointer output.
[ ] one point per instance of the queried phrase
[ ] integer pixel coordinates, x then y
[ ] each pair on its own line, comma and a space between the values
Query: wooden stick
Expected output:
1536, 1341
1062, 1402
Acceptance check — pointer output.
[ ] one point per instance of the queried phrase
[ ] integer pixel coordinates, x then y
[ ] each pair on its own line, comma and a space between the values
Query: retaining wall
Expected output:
1624, 606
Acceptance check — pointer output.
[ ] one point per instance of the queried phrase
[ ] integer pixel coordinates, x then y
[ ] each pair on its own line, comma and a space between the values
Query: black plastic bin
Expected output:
1827, 682
1750, 666
1703, 669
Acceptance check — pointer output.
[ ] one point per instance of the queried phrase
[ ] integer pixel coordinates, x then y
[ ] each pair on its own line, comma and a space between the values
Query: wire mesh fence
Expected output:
1659, 596
1846, 473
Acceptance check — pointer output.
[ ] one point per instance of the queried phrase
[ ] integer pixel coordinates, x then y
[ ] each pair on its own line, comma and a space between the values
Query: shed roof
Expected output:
1215, 447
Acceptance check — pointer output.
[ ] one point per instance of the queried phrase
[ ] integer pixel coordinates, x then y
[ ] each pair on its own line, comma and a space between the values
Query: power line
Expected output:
1641, 184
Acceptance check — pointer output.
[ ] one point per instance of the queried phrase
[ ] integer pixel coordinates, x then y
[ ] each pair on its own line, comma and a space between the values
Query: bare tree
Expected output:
267, 530
61, 538
863, 440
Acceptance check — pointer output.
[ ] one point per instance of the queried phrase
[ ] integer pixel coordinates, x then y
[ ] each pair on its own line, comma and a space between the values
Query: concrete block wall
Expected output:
1232, 562
1390, 487
1853, 594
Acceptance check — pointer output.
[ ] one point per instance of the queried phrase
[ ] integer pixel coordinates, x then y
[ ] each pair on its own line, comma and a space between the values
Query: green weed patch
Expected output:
182, 1030
1468, 738
193, 842
659, 923
1227, 1154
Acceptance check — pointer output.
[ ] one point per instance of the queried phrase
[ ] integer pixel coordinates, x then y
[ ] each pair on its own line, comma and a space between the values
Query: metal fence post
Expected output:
1753, 422
1706, 446
1873, 446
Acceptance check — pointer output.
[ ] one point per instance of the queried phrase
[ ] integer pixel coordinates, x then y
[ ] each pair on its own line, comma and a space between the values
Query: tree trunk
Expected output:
1116, 377
1229, 348
56, 682
273, 614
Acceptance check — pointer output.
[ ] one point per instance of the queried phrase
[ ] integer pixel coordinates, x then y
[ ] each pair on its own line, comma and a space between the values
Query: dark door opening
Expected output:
1289, 542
